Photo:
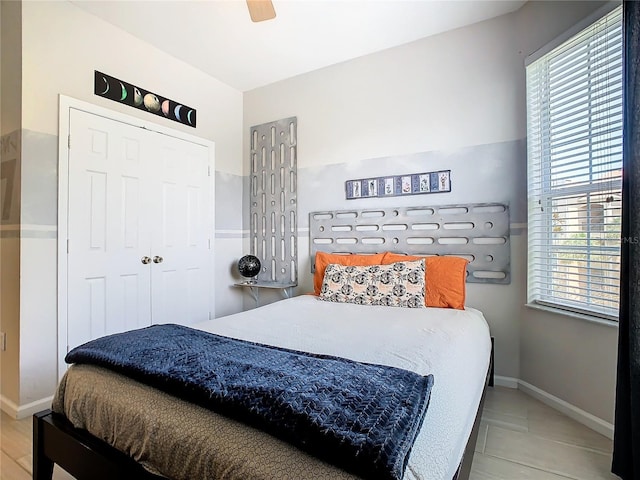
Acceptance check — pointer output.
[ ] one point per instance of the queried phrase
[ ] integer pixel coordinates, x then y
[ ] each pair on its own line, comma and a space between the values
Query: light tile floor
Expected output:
519, 439
15, 450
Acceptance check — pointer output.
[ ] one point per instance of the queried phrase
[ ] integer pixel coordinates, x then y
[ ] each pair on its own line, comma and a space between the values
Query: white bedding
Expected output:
453, 345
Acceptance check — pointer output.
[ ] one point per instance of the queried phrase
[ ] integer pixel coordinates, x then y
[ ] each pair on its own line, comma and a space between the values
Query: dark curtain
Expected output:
626, 441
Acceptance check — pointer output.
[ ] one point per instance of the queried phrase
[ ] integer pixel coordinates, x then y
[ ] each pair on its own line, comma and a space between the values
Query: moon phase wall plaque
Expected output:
123, 92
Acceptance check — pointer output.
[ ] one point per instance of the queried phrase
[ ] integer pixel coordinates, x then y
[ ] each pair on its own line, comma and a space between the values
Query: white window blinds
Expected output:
574, 149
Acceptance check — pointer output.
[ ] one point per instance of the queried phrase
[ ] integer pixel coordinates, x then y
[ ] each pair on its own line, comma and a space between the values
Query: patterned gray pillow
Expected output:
399, 284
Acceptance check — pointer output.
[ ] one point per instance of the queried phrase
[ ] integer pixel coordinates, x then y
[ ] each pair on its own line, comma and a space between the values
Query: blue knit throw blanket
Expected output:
361, 417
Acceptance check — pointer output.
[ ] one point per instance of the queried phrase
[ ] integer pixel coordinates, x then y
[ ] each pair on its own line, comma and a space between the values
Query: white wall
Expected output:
455, 100
10, 92
403, 100
10, 64
62, 46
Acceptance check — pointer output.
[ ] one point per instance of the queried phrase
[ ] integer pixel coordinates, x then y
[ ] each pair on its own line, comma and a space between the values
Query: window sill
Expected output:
568, 313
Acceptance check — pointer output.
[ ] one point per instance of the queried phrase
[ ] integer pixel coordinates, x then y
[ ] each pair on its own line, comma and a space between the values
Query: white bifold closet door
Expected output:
138, 221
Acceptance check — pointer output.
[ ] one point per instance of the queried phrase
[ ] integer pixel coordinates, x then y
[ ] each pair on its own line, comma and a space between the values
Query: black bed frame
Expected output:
85, 457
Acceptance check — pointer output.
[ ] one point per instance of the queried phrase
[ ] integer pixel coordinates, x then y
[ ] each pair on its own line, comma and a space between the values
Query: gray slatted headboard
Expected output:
478, 232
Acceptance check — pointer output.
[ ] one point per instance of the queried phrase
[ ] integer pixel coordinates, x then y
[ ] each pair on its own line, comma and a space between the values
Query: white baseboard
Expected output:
508, 382
571, 411
24, 411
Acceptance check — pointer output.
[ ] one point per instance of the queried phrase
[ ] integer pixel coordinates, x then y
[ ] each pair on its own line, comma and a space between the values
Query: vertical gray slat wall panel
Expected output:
273, 199
479, 232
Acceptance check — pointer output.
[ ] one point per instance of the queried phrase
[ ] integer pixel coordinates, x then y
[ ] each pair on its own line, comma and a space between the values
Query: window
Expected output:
574, 150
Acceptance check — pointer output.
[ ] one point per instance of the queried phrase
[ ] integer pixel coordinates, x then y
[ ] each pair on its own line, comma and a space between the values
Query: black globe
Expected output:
249, 266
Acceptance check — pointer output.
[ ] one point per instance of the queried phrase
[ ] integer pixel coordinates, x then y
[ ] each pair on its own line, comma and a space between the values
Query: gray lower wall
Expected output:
231, 242
571, 358
10, 150
39, 198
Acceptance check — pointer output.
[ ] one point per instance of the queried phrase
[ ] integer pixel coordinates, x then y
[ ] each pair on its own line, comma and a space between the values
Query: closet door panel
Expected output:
181, 276
108, 285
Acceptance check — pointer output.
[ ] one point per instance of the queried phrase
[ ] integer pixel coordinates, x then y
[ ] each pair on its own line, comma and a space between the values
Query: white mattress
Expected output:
453, 345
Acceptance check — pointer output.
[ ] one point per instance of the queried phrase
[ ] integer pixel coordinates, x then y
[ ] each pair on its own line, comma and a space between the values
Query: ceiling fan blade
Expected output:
261, 10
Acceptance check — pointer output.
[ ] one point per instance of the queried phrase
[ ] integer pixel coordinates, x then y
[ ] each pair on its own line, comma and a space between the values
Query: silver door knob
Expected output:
145, 260
158, 259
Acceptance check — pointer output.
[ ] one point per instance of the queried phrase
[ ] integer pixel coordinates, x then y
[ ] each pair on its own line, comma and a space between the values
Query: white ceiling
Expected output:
219, 38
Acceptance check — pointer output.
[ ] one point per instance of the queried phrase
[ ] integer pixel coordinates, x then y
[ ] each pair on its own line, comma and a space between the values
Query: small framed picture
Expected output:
389, 186
425, 183
357, 190
443, 181
353, 189
372, 187
406, 184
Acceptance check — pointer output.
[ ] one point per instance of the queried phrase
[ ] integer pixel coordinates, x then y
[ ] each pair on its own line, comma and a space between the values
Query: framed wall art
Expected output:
137, 97
399, 185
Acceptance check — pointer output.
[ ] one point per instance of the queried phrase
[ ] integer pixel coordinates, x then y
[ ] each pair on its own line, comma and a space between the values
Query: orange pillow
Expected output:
323, 259
445, 279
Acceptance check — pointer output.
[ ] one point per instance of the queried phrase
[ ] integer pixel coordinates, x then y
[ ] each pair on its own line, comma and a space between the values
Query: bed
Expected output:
106, 425
453, 345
